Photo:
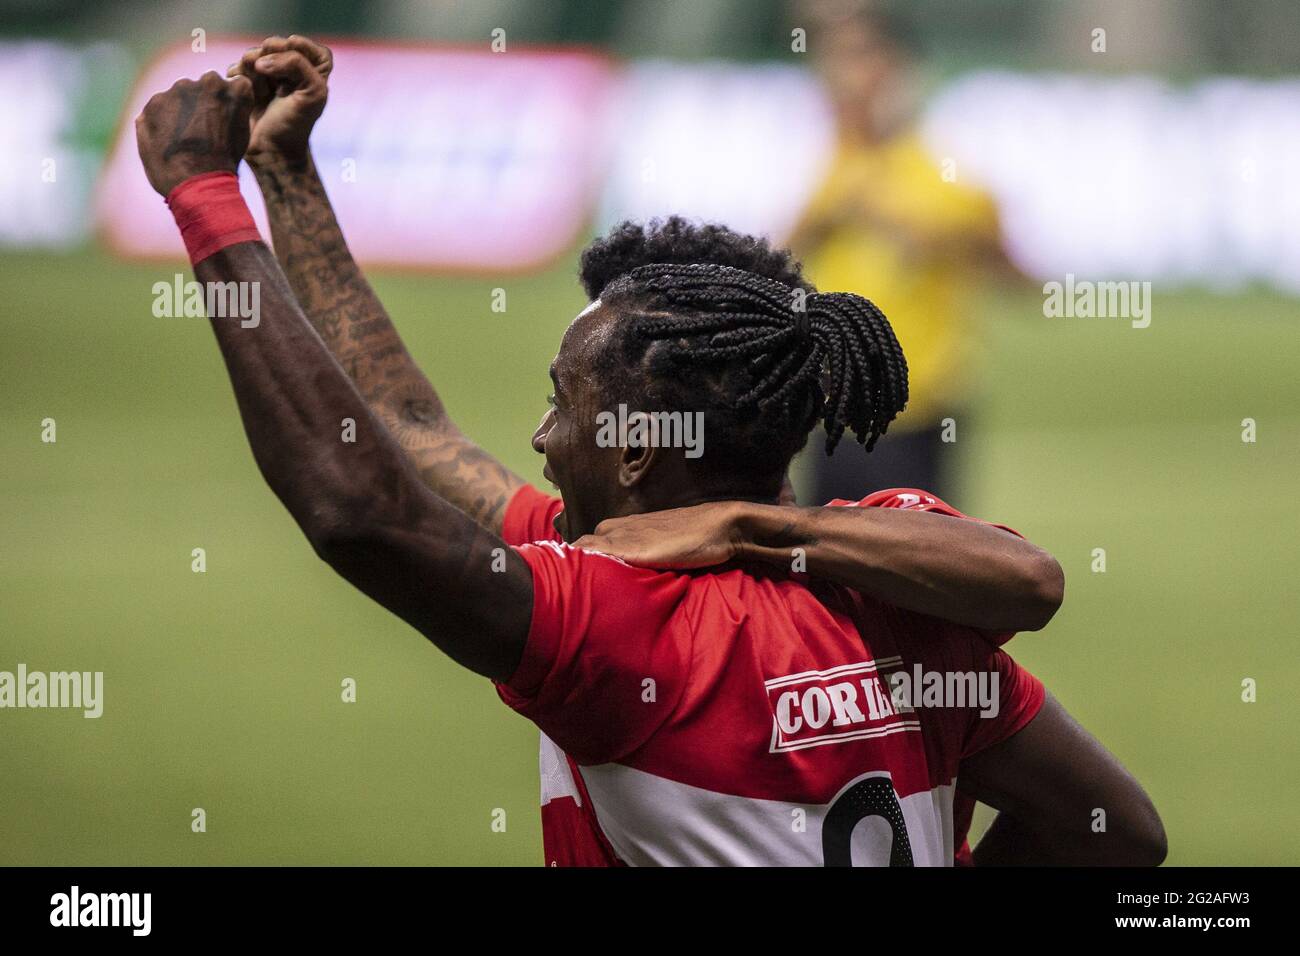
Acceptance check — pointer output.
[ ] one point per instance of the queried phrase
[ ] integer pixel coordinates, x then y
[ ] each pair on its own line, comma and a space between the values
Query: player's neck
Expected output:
686, 499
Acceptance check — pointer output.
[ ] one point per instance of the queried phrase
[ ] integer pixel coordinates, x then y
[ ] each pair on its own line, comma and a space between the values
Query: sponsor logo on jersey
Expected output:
849, 702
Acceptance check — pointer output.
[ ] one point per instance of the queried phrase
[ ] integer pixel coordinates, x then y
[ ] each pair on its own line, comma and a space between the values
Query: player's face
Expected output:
859, 66
585, 474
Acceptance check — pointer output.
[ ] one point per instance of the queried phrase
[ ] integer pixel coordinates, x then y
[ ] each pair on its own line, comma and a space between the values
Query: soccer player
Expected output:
888, 223
730, 715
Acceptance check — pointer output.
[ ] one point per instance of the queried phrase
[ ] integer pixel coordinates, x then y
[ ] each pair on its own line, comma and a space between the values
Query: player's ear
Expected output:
640, 453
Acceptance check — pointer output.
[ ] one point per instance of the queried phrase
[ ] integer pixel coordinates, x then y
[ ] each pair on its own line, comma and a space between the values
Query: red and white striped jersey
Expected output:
739, 716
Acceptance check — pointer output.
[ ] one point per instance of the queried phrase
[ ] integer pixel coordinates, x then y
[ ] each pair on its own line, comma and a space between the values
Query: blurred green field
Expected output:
222, 690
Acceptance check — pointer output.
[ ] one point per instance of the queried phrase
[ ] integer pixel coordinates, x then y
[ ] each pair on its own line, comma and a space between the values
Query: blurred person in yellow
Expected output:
894, 225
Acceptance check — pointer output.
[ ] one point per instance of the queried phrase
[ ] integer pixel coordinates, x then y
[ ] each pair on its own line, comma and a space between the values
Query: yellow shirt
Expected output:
871, 229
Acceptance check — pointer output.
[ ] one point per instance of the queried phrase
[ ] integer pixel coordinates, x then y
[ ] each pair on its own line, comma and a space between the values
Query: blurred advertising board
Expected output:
457, 159
1133, 176
57, 106
743, 145
435, 157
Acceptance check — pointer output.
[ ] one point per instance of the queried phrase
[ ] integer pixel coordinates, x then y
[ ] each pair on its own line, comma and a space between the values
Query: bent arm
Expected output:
962, 571
361, 503
1049, 782
347, 314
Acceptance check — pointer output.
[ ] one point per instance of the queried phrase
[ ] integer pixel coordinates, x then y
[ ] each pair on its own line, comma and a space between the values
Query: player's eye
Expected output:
550, 400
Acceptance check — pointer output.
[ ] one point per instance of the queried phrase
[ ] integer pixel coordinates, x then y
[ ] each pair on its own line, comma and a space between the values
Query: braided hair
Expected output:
764, 359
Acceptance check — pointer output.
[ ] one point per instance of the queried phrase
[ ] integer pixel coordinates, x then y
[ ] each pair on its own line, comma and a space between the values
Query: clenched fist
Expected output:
289, 77
197, 126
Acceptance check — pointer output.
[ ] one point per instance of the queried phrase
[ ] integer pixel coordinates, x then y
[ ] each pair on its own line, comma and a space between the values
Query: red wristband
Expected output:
211, 214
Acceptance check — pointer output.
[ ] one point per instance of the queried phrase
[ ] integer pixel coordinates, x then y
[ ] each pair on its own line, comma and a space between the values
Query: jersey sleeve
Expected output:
530, 516
967, 694
607, 656
911, 499
1020, 697
914, 499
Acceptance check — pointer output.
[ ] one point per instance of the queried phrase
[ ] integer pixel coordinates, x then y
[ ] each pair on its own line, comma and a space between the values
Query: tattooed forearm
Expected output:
344, 310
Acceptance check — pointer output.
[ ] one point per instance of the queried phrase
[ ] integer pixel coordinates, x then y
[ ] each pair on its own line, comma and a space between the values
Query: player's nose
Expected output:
539, 436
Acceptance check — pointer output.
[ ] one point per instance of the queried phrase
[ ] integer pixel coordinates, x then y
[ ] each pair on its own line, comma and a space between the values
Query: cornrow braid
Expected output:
775, 357
872, 389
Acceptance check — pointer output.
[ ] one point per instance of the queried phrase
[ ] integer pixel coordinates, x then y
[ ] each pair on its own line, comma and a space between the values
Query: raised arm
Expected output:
361, 504
1062, 798
962, 571
289, 77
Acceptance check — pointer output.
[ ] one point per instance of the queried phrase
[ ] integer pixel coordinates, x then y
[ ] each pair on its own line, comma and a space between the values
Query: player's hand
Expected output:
289, 77
197, 126
700, 536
